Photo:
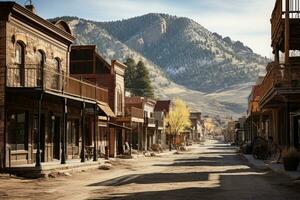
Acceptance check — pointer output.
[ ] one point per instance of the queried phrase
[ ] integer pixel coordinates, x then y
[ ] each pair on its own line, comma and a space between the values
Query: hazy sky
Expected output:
244, 20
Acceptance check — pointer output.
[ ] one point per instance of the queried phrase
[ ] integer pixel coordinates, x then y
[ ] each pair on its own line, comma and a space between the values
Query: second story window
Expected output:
20, 63
40, 67
57, 79
119, 102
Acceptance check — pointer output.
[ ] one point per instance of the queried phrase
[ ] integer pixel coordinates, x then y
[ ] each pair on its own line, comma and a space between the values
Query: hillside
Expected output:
190, 54
184, 59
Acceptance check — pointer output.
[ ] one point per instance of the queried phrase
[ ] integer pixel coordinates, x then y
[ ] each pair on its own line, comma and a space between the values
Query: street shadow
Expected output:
154, 178
222, 148
226, 160
232, 184
218, 152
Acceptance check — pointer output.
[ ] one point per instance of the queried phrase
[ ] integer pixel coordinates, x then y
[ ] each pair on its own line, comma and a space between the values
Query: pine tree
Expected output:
130, 74
142, 81
137, 79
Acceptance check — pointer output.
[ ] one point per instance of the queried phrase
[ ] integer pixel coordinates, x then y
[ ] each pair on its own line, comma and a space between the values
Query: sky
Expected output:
245, 20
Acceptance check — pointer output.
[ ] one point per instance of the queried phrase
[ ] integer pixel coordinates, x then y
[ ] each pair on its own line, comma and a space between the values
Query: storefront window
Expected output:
73, 132
17, 131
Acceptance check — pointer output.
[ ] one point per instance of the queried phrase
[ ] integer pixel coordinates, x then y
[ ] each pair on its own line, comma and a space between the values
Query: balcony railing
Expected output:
276, 17
150, 120
30, 76
279, 14
160, 124
274, 76
281, 76
134, 112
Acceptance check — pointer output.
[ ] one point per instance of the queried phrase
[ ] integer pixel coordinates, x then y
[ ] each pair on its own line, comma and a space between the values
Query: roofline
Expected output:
15, 7
94, 48
84, 46
116, 62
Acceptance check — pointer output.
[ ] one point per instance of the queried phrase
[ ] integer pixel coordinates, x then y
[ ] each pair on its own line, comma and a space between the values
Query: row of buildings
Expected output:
60, 102
274, 103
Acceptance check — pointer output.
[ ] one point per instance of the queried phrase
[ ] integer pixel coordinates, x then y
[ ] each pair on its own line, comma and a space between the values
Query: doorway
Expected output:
42, 135
296, 136
55, 132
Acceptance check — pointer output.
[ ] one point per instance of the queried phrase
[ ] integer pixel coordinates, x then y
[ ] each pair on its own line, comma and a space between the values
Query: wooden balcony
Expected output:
160, 125
281, 80
150, 121
132, 114
278, 24
30, 76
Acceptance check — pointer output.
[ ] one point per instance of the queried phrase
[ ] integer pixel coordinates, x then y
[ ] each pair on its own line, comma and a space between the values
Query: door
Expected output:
55, 129
119, 142
42, 136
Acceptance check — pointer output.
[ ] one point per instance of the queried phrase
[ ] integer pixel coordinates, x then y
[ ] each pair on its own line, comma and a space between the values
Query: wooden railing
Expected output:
278, 14
30, 76
273, 78
134, 112
150, 120
276, 17
160, 123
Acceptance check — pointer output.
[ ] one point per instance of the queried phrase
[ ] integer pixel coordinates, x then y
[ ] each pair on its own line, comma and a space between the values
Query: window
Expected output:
57, 76
17, 131
19, 61
73, 132
119, 101
40, 67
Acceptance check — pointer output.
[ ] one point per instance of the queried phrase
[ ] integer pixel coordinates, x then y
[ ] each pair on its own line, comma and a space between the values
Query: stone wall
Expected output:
34, 42
2, 90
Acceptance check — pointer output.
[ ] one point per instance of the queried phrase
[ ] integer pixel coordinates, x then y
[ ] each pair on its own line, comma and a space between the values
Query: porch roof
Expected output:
106, 109
119, 126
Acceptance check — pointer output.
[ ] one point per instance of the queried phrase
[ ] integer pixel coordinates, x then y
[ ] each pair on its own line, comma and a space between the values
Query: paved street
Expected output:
210, 171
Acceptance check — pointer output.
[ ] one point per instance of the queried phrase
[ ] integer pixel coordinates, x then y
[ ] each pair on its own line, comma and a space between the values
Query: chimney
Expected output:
30, 7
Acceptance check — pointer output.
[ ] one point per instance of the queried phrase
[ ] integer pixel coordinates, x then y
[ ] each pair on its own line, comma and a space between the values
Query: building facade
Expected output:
46, 114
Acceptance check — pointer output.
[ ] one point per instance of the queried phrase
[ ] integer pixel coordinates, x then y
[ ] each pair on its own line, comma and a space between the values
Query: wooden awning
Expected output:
106, 109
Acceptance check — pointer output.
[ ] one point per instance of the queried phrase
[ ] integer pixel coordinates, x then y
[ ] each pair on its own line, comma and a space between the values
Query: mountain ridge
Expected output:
183, 57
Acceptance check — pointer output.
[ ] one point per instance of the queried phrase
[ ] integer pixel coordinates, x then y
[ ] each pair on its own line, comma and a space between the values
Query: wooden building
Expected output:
45, 114
89, 65
134, 118
162, 108
148, 135
197, 126
279, 91
253, 113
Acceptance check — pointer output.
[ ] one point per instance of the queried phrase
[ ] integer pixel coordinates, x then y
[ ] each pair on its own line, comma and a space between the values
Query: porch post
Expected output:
83, 132
131, 138
287, 123
38, 139
287, 31
63, 142
95, 132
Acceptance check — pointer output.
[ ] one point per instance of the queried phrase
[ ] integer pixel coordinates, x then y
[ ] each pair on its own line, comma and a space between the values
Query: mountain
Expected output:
184, 59
191, 55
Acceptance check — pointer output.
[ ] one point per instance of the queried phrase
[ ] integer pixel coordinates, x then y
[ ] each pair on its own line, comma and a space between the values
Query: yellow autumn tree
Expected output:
178, 119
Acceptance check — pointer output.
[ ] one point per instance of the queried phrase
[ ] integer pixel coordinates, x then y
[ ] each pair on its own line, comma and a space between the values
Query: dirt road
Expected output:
210, 171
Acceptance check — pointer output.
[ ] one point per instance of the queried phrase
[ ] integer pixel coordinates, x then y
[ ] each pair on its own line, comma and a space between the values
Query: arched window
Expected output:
20, 63
119, 101
40, 67
57, 77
